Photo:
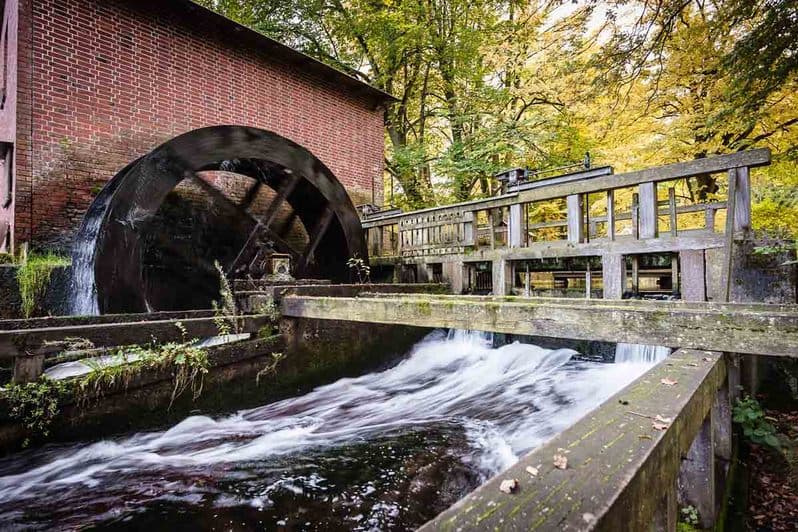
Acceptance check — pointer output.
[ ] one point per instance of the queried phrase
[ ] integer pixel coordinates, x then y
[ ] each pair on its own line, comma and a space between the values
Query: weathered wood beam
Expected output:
65, 321
733, 328
619, 467
14, 343
575, 219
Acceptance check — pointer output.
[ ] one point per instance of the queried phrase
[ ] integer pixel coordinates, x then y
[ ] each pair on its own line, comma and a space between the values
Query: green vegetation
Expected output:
188, 365
359, 269
486, 85
756, 427
35, 405
33, 277
688, 519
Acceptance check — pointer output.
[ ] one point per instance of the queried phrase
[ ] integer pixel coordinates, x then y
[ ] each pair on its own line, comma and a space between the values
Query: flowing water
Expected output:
387, 450
83, 292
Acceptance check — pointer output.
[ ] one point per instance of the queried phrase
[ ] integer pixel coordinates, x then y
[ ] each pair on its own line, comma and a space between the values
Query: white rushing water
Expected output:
643, 354
508, 400
83, 291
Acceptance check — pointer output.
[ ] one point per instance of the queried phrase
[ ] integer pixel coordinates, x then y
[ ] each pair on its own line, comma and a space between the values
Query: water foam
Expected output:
507, 400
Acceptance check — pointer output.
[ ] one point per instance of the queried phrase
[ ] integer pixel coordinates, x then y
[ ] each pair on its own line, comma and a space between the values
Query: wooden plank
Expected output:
635, 274
619, 467
613, 271
624, 245
709, 165
575, 219
742, 202
647, 210
732, 328
672, 211
52, 339
611, 214
729, 235
635, 215
516, 228
66, 321
675, 274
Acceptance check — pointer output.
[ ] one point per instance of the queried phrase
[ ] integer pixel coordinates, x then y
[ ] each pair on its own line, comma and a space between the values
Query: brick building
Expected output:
91, 85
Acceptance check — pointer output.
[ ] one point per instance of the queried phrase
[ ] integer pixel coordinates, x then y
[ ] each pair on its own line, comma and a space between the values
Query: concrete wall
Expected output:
102, 82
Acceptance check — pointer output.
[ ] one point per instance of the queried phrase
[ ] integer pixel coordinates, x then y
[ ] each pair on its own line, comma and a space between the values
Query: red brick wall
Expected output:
108, 80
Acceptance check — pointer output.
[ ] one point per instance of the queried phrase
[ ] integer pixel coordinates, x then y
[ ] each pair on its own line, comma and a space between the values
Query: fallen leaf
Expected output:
662, 419
645, 437
668, 382
560, 461
532, 471
508, 486
659, 426
588, 517
707, 359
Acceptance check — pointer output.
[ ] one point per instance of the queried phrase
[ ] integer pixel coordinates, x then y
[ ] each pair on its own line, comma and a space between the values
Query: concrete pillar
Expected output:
750, 373
453, 273
424, 273
722, 424
27, 368
693, 282
502, 277
667, 514
697, 476
613, 271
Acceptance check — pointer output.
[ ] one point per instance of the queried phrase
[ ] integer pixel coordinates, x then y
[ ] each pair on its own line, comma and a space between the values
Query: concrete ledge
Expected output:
619, 467
737, 328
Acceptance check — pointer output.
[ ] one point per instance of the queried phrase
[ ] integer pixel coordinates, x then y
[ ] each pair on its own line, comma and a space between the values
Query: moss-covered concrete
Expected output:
619, 466
737, 328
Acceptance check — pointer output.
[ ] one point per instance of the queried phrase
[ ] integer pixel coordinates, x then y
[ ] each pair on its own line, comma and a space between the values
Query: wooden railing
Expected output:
451, 230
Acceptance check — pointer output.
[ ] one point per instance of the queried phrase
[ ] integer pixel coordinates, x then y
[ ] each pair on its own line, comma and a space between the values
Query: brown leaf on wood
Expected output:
659, 426
668, 382
662, 419
560, 461
532, 471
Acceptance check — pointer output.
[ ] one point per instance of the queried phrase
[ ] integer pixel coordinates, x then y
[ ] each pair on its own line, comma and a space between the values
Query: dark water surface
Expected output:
385, 451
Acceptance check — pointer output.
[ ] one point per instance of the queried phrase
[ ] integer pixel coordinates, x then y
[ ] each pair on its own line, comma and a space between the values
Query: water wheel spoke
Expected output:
251, 194
220, 199
263, 227
316, 236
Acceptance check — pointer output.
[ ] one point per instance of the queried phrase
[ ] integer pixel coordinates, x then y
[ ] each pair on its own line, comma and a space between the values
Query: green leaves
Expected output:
750, 416
36, 405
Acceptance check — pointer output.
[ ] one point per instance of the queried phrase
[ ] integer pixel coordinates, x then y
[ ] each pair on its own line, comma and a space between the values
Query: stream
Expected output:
384, 451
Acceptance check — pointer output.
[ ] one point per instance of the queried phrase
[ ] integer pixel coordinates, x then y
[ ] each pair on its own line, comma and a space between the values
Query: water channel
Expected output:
384, 451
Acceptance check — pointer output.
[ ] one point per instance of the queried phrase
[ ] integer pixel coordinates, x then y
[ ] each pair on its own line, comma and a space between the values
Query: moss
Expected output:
33, 277
424, 308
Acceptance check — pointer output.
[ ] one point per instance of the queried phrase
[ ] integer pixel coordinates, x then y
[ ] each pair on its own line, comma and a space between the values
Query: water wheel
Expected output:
152, 238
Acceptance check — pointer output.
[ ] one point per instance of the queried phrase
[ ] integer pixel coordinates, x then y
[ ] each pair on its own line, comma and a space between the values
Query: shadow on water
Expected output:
387, 450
